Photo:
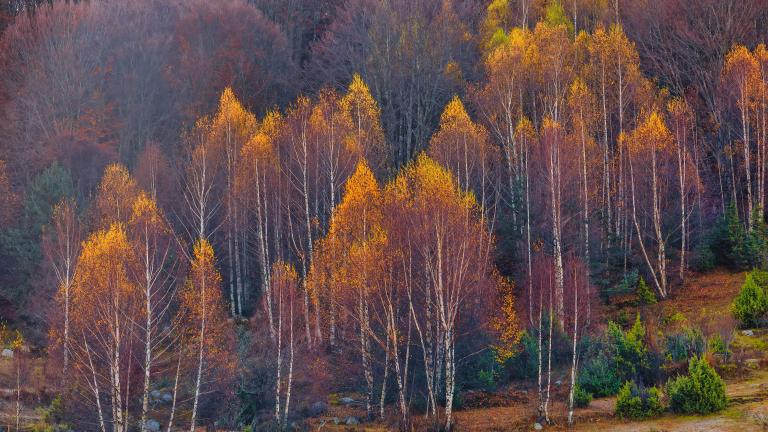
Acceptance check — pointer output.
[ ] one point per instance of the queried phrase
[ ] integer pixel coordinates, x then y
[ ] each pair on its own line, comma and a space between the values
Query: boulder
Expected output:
155, 394
317, 409
167, 397
352, 421
153, 425
346, 400
336, 420
7, 353
538, 426
749, 333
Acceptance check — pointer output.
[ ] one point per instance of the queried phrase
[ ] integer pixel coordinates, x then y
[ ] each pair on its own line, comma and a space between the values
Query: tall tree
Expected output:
153, 246
650, 144
62, 247
104, 302
207, 335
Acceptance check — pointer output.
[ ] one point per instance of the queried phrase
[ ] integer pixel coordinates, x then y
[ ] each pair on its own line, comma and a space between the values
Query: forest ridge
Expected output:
269, 214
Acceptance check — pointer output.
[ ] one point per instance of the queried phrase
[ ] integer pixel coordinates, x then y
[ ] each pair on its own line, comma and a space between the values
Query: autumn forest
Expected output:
416, 215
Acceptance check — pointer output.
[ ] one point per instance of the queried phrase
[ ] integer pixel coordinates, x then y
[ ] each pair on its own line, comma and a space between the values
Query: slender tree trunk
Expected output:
585, 197
450, 375
290, 367
747, 155
95, 387
384, 379
279, 355
175, 395
573, 352
365, 356
539, 362
198, 379
661, 258
659, 289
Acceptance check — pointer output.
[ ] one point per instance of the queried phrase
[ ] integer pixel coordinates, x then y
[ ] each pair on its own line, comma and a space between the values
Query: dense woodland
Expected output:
250, 205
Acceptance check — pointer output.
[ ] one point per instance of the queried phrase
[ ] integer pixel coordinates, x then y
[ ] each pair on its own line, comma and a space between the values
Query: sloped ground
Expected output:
704, 301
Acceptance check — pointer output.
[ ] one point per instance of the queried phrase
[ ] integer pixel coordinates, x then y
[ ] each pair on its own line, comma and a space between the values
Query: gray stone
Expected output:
317, 409
7, 353
351, 421
153, 425
538, 426
167, 397
155, 394
336, 420
749, 333
346, 400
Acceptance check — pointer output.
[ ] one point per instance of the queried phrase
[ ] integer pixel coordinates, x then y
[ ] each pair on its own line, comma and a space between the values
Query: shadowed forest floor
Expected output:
704, 300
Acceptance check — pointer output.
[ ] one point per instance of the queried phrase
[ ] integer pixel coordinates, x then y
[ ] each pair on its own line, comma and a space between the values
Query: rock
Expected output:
538, 426
155, 394
749, 333
317, 409
558, 383
167, 397
752, 363
7, 353
351, 421
336, 420
153, 425
346, 400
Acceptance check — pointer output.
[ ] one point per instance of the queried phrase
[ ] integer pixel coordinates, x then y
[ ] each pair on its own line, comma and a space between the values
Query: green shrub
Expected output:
702, 391
750, 306
599, 377
631, 352
684, 345
732, 245
703, 258
718, 346
635, 402
645, 294
620, 356
525, 362
581, 397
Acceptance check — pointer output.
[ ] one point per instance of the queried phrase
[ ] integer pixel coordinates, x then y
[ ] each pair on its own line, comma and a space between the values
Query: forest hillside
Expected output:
412, 215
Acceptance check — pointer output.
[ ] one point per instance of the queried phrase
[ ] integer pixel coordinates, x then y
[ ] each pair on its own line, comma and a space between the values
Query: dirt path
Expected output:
748, 400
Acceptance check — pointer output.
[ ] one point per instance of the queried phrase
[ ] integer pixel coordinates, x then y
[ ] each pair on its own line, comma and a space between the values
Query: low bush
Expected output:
732, 245
702, 391
718, 346
599, 377
682, 346
645, 294
637, 402
581, 397
750, 306
615, 358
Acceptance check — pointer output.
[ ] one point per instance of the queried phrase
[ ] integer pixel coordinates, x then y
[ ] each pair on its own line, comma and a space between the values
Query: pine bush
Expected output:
702, 391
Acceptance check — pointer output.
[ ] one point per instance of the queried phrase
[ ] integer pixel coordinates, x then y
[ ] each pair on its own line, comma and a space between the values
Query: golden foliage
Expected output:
361, 108
115, 196
651, 135
103, 288
505, 321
